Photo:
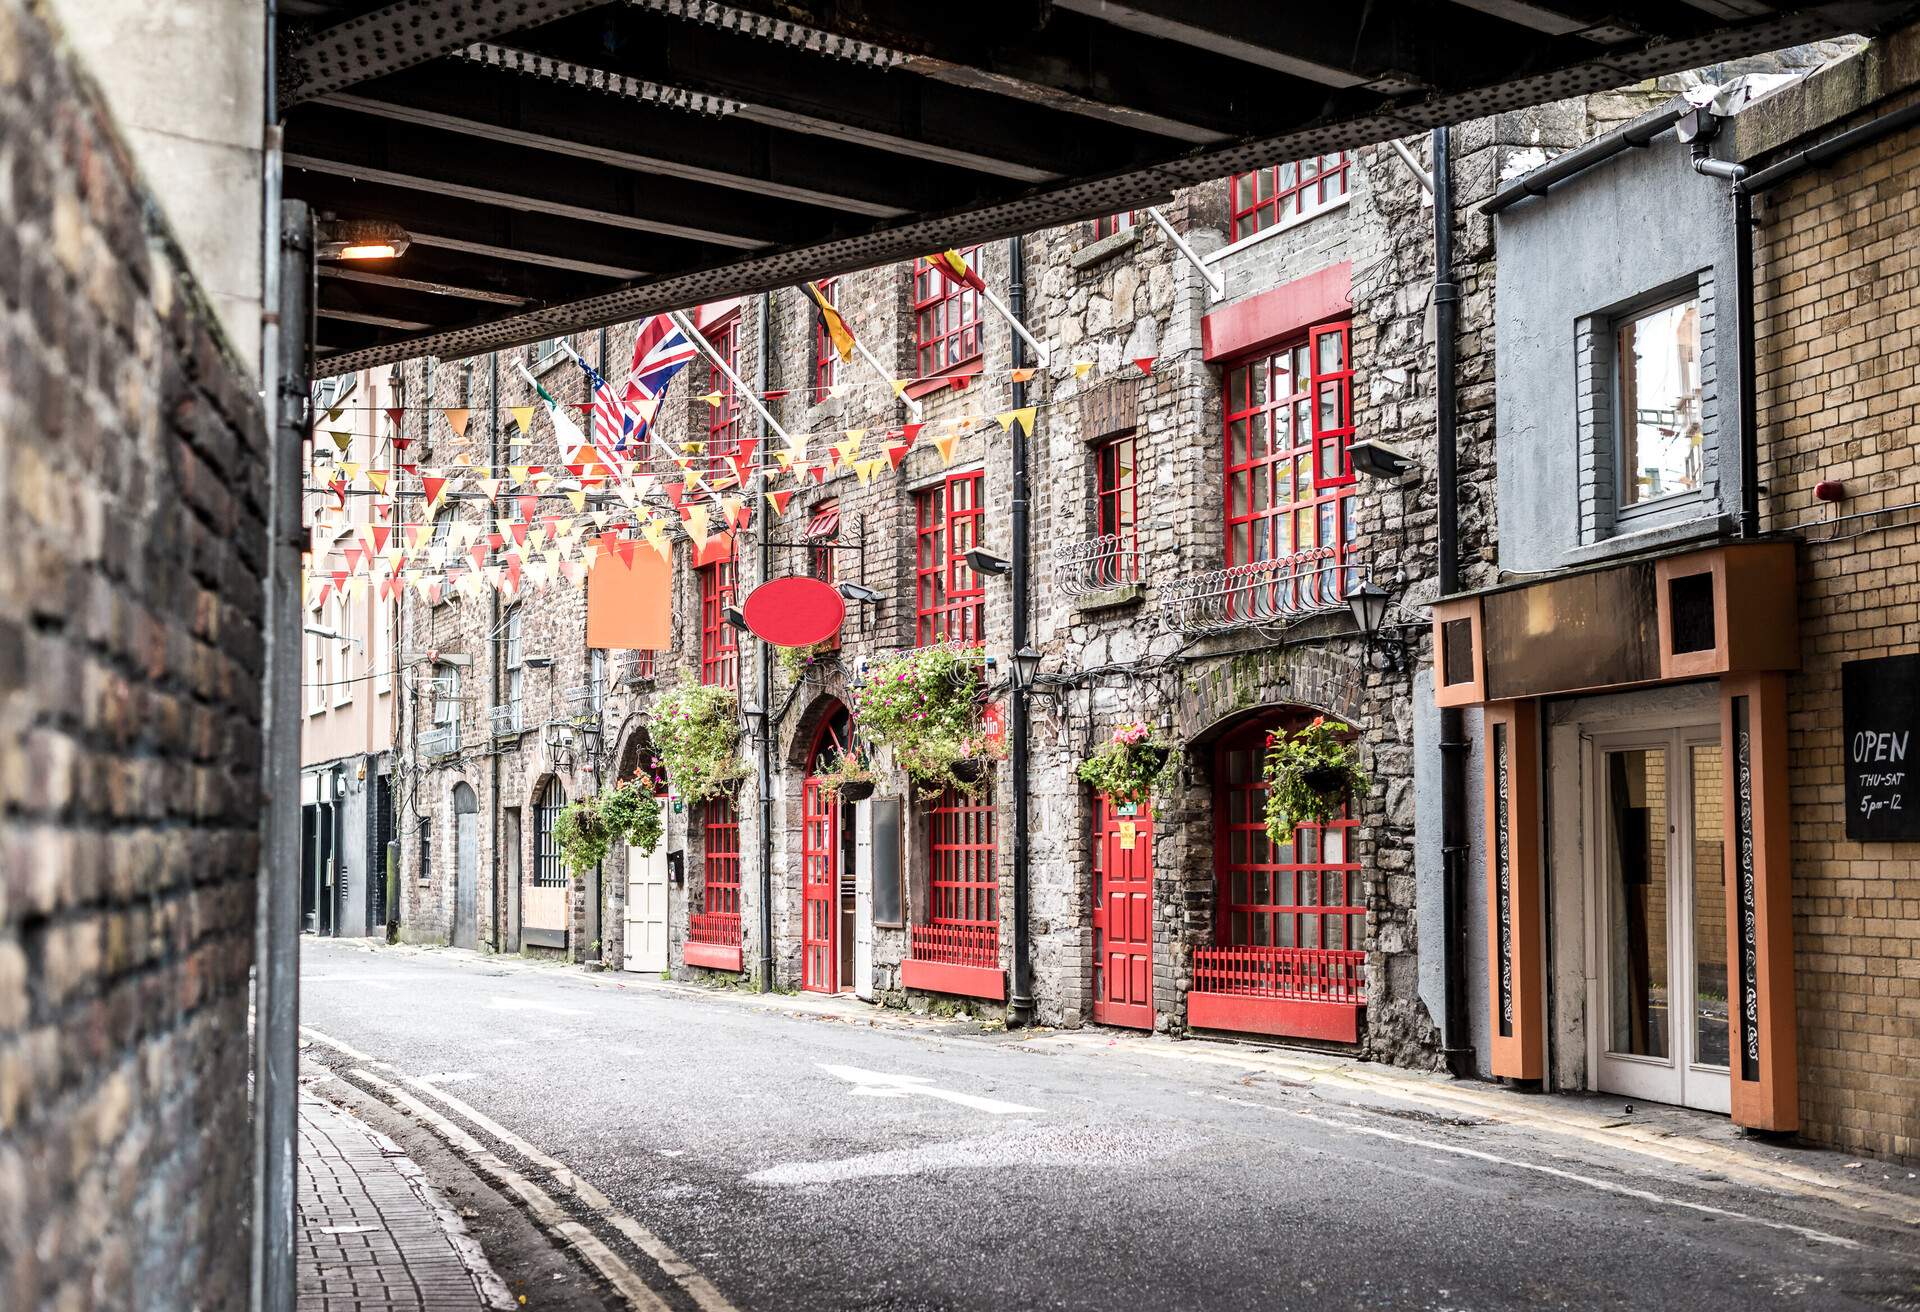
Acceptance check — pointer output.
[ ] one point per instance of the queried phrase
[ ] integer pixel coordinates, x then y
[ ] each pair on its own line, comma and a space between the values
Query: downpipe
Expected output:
1457, 1046
1735, 175
1020, 1003
767, 725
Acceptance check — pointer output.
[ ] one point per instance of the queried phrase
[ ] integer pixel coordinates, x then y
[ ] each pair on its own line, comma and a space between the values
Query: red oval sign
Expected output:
794, 612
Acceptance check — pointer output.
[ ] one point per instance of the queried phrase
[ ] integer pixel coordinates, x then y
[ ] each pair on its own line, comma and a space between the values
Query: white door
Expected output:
862, 899
647, 909
1659, 916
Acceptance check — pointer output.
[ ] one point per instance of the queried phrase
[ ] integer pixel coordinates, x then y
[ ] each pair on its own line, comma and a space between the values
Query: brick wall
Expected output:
131, 484
1838, 316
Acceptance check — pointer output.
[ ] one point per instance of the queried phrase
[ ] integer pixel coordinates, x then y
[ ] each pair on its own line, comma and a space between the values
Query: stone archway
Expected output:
1315, 678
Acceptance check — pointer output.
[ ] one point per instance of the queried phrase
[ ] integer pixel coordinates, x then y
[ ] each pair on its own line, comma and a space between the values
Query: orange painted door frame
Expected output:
1764, 1061
1515, 892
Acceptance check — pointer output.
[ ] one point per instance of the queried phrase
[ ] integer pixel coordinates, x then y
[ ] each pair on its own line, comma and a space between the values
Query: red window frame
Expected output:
1117, 503
820, 554
718, 920
825, 357
946, 318
1109, 224
1289, 474
1288, 921
950, 600
1270, 196
640, 664
725, 422
962, 926
719, 643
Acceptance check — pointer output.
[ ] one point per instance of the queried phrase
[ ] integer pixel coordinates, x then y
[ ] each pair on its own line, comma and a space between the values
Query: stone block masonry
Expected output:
132, 488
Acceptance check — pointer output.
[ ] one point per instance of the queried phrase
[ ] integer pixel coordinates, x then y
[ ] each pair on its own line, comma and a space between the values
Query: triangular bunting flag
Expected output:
945, 444
457, 420
523, 417
1144, 363
779, 501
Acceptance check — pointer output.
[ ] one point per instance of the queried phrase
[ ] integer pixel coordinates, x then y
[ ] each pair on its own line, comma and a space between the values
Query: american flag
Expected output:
661, 352
606, 416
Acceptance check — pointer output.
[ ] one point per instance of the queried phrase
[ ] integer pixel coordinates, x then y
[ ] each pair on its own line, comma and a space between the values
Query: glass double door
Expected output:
1660, 914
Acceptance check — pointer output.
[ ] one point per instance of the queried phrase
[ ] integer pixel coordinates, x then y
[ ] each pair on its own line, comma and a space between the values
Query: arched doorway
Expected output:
1289, 924
826, 865
645, 939
466, 866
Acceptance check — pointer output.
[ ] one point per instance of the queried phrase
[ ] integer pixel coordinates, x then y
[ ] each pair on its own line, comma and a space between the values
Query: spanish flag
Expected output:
952, 266
836, 328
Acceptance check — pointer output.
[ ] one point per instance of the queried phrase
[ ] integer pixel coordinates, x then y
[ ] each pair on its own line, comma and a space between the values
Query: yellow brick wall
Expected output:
1838, 341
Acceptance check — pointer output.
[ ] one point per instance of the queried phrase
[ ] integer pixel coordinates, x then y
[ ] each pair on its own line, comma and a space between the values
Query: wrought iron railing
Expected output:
583, 701
509, 719
636, 667
1301, 974
955, 945
1097, 565
1259, 593
441, 740
721, 928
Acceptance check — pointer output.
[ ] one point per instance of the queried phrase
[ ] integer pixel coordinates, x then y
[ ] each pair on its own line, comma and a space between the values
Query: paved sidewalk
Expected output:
375, 1236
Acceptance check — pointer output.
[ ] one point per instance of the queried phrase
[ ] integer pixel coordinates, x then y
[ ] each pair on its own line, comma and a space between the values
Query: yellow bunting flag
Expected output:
713, 399
779, 501
695, 518
523, 416
377, 479
1023, 417
656, 535
1081, 368
342, 439
519, 473
900, 386
866, 469
945, 444
578, 500
349, 470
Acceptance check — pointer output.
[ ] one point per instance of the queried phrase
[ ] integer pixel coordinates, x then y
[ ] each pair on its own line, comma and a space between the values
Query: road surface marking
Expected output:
499, 1003
1604, 1186
342, 1048
625, 1281
877, 1084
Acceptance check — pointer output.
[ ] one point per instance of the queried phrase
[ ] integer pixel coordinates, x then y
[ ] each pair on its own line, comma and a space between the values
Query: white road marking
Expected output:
878, 1084
1604, 1186
498, 1003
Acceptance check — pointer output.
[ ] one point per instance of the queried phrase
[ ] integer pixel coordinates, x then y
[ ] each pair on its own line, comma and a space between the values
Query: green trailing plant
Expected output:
1311, 773
580, 832
798, 662
632, 812
851, 775
696, 733
926, 706
1127, 766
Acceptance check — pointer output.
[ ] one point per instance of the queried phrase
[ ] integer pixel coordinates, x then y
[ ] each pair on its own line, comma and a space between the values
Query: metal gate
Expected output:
1123, 916
819, 887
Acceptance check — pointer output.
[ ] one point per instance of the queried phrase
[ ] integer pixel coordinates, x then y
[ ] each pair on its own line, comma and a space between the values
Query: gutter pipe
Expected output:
767, 723
1020, 1002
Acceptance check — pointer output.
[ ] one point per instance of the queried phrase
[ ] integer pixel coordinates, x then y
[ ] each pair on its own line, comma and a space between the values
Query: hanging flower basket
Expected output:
1127, 766
858, 790
926, 707
1312, 774
696, 732
850, 776
627, 813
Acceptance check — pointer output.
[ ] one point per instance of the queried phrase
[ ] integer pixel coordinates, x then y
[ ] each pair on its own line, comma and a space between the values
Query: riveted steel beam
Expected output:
403, 34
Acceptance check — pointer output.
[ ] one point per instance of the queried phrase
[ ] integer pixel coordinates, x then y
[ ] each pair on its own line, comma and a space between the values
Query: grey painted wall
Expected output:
1625, 228
1429, 883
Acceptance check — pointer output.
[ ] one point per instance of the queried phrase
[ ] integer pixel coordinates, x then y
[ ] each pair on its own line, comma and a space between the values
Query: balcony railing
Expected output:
509, 720
956, 944
1260, 593
1301, 974
583, 702
440, 740
1084, 569
719, 928
636, 667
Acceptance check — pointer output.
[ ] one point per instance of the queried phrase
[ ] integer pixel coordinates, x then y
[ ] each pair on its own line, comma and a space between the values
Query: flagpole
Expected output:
706, 348
1018, 327
1214, 282
913, 406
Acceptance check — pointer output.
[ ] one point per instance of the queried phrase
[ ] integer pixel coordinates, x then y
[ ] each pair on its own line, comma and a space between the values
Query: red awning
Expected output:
825, 524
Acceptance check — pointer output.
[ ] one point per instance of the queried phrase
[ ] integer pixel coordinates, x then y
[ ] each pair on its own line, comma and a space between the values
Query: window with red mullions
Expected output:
723, 420
1119, 505
946, 316
1268, 197
950, 602
825, 357
1110, 224
823, 535
719, 643
1289, 419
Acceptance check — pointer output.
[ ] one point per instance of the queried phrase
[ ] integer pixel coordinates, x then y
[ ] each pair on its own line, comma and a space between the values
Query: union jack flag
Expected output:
661, 351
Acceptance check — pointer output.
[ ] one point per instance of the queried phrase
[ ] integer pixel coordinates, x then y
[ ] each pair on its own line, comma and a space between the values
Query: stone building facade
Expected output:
132, 478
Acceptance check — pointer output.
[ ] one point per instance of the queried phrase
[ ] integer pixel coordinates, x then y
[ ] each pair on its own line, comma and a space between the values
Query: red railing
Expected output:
956, 945
1303, 974
720, 928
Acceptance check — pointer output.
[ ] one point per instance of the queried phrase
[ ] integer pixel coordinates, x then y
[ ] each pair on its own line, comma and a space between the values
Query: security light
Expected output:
538, 662
861, 593
1377, 459
985, 562
359, 239
733, 616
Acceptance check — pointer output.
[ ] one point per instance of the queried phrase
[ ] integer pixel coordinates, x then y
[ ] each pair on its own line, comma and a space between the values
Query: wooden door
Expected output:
1123, 916
647, 910
819, 888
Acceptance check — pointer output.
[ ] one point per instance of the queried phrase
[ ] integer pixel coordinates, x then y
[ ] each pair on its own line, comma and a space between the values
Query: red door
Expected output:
1123, 916
819, 887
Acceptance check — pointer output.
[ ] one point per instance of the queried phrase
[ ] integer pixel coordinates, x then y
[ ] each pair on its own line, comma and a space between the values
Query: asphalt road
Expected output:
827, 1161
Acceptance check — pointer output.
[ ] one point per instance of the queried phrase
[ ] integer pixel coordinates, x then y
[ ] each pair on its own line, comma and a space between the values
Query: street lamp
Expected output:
756, 718
1026, 668
360, 239
981, 561
1369, 603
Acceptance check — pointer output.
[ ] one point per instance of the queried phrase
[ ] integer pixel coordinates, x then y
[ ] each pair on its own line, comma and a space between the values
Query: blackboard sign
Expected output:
886, 861
1880, 703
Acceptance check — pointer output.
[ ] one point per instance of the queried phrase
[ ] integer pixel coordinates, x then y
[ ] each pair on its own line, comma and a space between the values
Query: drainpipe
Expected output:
1456, 1045
1748, 524
1020, 1004
763, 339
493, 691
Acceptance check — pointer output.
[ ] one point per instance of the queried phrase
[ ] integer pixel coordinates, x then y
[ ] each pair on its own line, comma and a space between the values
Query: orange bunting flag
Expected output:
1022, 375
945, 444
457, 420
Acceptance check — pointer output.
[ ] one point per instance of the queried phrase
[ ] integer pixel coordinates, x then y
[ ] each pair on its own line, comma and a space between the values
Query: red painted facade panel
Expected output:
967, 981
1261, 321
1333, 1022
714, 956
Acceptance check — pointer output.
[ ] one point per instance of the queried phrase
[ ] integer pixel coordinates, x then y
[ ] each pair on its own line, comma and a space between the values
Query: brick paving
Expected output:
375, 1236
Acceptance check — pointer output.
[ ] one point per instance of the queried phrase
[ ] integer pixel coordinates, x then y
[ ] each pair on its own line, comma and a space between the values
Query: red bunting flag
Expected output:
397, 415
1144, 363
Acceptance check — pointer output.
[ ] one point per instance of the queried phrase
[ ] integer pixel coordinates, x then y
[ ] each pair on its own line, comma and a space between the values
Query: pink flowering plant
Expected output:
1311, 774
696, 732
1128, 764
926, 706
